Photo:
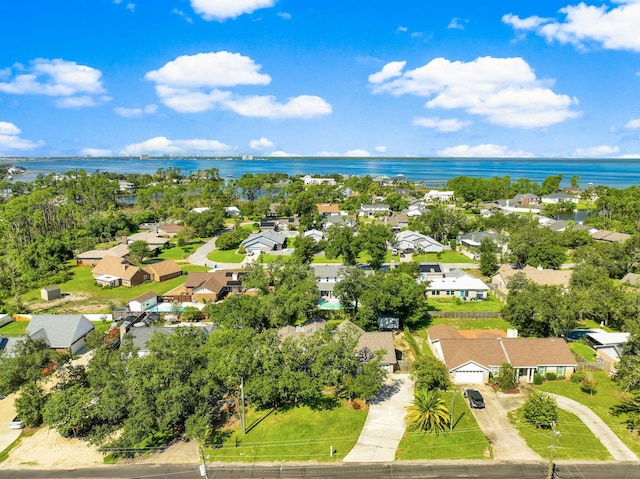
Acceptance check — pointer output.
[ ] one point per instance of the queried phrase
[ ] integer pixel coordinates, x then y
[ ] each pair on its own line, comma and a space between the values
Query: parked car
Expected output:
475, 399
16, 423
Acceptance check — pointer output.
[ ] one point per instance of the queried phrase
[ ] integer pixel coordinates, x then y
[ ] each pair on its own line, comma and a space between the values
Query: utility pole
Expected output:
203, 467
242, 422
552, 450
453, 409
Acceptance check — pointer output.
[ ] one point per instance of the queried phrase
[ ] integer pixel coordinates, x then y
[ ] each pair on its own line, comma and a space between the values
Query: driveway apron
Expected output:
385, 424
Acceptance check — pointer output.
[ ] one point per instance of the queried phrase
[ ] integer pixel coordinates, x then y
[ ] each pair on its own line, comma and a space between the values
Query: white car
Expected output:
16, 423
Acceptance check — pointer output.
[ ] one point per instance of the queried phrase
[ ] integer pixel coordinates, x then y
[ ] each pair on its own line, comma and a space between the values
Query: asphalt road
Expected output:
458, 470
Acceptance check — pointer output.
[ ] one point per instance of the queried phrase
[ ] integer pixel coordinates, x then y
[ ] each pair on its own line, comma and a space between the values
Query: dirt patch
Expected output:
78, 301
49, 450
357, 404
182, 452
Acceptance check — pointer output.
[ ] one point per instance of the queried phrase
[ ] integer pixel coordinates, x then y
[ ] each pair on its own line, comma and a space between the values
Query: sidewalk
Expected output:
385, 424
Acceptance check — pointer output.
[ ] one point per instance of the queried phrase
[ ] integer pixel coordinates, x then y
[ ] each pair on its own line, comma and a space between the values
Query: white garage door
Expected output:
468, 377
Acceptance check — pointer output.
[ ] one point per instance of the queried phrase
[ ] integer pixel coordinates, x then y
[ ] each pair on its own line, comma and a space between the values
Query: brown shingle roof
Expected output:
327, 208
163, 268
114, 266
532, 352
541, 276
213, 281
379, 340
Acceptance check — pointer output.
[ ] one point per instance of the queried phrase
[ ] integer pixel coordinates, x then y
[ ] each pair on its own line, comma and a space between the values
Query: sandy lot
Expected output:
47, 449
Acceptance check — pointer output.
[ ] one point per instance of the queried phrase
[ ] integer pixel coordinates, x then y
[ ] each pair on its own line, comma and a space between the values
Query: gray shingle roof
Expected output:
61, 330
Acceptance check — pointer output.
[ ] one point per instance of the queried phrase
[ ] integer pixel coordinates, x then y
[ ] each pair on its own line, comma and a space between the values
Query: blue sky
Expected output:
320, 78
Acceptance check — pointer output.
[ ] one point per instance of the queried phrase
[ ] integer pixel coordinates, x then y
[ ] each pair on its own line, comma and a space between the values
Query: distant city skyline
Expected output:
336, 79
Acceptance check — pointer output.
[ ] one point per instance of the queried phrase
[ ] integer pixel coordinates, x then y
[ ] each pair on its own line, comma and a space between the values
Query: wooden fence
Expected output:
592, 366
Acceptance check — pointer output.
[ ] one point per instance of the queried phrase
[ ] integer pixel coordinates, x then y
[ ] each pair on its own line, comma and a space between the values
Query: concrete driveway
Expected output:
385, 424
616, 447
7, 413
507, 444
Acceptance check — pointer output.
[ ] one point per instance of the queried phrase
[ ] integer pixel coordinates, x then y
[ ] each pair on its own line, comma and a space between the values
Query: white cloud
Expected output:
284, 154
285, 15
78, 85
381, 149
505, 91
633, 124
135, 112
444, 126
456, 24
190, 84
223, 9
181, 13
356, 153
601, 151
96, 152
214, 69
161, 145
389, 71
261, 144
482, 151
10, 139
403, 29
615, 28
529, 23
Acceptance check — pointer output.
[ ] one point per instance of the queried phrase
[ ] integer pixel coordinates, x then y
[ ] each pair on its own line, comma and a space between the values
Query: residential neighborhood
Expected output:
390, 291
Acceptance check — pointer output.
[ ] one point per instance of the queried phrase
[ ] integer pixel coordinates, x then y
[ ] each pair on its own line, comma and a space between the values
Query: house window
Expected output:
561, 370
435, 293
451, 293
542, 370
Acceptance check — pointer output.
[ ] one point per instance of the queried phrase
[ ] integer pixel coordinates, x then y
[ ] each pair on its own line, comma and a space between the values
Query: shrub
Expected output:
589, 384
562, 377
506, 377
551, 376
577, 377
538, 379
540, 410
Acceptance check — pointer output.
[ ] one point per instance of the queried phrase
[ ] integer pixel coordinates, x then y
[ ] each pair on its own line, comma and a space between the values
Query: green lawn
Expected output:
607, 395
466, 441
89, 293
293, 434
472, 323
15, 328
178, 253
583, 350
444, 257
456, 304
225, 256
575, 441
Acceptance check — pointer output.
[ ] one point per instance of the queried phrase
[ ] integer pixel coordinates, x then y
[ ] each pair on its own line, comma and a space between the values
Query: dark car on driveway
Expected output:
475, 398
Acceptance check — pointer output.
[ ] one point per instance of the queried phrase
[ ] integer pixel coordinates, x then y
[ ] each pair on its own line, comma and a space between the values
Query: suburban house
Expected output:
264, 242
168, 229
457, 283
441, 196
526, 200
231, 211
314, 234
112, 271
339, 220
555, 198
327, 275
473, 357
474, 238
610, 236
562, 225
62, 332
429, 271
314, 180
415, 209
308, 327
326, 209
413, 240
608, 346
376, 341
163, 270
152, 239
397, 221
551, 277
376, 209
93, 257
213, 285
143, 302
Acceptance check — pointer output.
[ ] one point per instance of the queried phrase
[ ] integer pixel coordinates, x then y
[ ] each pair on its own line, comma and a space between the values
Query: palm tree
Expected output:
428, 413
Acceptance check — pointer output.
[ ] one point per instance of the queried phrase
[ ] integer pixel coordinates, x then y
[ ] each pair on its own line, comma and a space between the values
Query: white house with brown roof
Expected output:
541, 276
473, 357
213, 285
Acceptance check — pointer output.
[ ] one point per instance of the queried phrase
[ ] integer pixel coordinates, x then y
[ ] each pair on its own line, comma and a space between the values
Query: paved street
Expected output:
413, 470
